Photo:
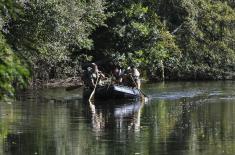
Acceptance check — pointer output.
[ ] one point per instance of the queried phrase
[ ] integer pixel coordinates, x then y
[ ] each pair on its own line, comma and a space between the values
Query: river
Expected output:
181, 118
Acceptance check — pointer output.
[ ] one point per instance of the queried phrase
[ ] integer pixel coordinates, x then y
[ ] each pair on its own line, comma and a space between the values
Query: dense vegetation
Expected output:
180, 39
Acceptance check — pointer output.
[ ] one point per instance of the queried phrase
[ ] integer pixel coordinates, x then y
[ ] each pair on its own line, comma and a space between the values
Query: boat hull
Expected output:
113, 92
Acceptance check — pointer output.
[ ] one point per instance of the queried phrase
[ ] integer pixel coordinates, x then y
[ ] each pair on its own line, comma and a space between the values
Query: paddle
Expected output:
93, 92
137, 88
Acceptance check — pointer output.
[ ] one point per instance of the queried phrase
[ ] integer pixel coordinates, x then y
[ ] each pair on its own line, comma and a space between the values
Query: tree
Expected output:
204, 31
48, 28
13, 71
135, 35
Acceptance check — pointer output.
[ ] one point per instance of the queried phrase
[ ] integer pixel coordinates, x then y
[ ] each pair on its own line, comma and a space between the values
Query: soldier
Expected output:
95, 75
86, 77
135, 75
118, 75
90, 76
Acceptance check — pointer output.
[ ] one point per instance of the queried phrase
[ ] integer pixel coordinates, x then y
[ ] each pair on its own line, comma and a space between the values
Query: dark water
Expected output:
182, 118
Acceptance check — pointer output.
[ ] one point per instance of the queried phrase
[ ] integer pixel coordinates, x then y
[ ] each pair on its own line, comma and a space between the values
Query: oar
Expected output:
143, 93
93, 92
137, 88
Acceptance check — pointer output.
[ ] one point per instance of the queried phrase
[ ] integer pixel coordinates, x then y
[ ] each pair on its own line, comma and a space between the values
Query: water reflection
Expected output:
200, 124
116, 114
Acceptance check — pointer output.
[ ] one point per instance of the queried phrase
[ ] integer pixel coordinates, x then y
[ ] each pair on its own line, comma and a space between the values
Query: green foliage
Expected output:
204, 32
44, 34
135, 35
180, 39
189, 39
12, 71
10, 9
207, 37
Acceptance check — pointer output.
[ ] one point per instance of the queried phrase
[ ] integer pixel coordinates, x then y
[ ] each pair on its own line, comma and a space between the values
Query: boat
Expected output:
113, 91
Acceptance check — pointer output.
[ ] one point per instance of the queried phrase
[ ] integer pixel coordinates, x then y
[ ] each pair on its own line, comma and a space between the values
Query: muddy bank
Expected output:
53, 83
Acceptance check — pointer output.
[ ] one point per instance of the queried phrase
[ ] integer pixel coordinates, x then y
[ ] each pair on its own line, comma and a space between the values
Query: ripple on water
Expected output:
215, 93
228, 98
177, 95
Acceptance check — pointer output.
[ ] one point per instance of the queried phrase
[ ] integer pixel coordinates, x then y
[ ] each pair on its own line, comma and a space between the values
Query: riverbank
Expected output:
77, 81
54, 83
